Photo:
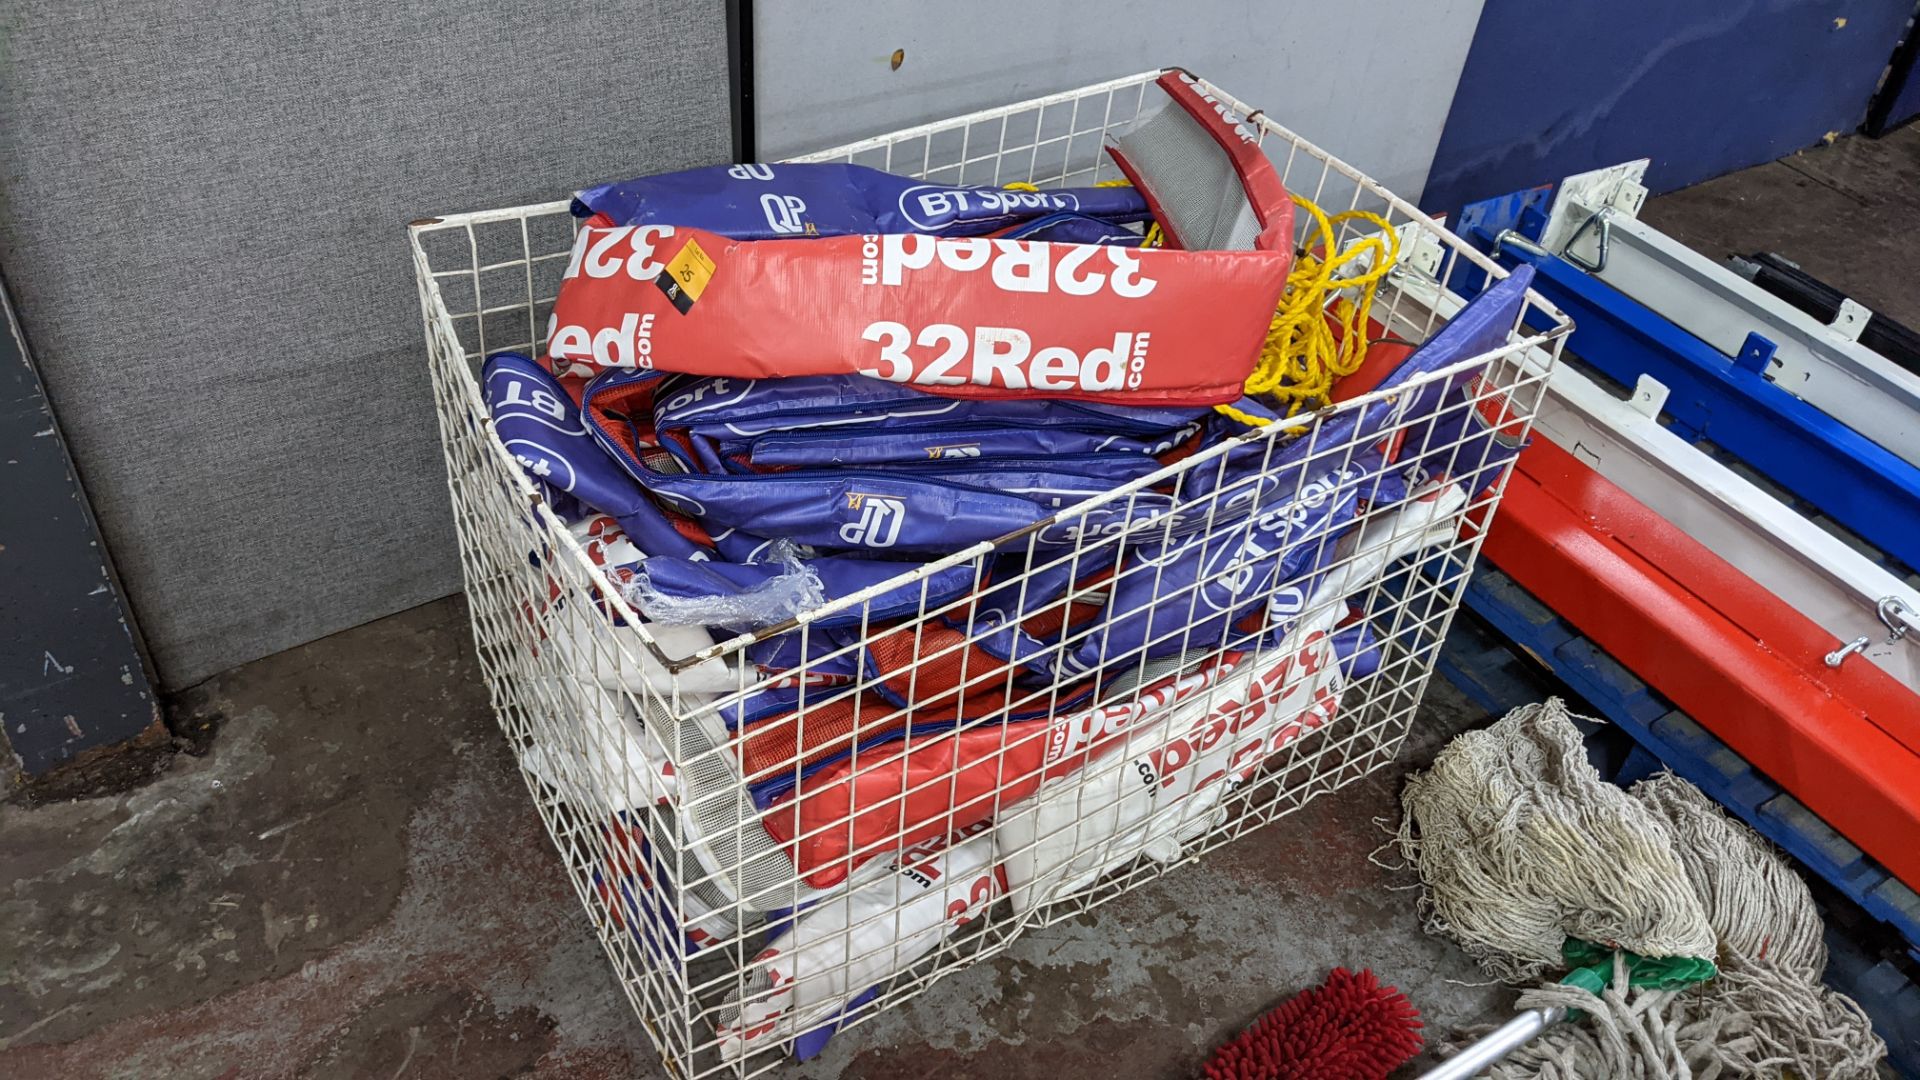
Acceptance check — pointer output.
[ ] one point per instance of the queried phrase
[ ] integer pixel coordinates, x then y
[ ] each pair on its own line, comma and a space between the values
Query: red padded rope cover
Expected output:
966, 317
859, 809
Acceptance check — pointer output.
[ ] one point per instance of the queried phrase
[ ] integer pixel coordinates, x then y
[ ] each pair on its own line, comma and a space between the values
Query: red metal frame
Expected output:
1736, 658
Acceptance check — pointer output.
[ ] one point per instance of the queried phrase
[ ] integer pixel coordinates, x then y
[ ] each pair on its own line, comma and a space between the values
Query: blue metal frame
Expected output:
1724, 399
1496, 670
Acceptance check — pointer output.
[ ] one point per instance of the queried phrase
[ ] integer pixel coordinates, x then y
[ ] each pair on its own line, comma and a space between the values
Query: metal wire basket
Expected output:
736, 926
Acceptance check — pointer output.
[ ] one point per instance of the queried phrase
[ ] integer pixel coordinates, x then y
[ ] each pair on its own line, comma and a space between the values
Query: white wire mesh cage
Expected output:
921, 801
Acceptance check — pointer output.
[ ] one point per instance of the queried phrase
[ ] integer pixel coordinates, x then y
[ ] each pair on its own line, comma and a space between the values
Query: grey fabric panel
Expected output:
202, 210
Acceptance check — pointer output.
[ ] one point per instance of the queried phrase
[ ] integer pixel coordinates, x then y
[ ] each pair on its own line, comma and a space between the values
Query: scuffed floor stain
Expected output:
353, 883
434, 1032
353, 870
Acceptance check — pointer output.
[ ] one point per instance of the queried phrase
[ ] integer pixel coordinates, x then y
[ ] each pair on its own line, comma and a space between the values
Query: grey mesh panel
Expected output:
1127, 686
721, 816
1191, 179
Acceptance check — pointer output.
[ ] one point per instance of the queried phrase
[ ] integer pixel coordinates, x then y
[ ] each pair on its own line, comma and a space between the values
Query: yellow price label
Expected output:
691, 269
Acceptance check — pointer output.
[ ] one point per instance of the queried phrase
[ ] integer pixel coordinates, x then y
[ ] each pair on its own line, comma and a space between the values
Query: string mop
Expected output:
1698, 950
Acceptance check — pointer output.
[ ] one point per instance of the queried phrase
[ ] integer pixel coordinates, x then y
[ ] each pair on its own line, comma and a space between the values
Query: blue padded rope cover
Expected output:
764, 202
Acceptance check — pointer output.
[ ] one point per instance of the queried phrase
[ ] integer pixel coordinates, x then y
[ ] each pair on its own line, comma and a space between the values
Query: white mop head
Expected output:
1521, 845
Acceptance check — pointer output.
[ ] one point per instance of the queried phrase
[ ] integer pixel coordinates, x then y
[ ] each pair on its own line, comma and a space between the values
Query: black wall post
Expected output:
740, 78
72, 679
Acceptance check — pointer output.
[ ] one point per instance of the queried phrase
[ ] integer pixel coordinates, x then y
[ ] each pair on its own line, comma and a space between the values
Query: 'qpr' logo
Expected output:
879, 523
783, 212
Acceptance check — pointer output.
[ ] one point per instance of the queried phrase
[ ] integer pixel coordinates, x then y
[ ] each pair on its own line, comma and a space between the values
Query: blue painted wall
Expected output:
1904, 93
1906, 103
1703, 87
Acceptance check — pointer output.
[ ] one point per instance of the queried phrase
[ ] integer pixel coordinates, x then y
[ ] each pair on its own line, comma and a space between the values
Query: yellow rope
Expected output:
1301, 359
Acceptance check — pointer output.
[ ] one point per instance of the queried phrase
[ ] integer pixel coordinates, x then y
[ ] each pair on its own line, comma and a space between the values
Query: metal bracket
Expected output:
1850, 320
1624, 196
1649, 396
1420, 250
1421, 255
1756, 354
1629, 197
1893, 613
1617, 186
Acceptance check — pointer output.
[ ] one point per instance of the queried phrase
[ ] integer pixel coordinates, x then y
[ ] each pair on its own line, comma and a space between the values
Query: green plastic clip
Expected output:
1592, 966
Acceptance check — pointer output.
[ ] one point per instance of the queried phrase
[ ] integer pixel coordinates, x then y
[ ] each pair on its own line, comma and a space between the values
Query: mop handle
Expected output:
1495, 1046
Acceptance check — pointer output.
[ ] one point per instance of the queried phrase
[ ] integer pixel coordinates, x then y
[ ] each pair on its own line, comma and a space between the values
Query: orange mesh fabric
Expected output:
933, 686
1048, 624
777, 744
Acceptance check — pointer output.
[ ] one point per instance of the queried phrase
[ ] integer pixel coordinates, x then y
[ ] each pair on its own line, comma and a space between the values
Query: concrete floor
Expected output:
1846, 213
350, 881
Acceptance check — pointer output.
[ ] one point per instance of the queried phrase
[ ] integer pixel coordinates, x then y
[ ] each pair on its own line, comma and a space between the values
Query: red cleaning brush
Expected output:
1350, 1028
